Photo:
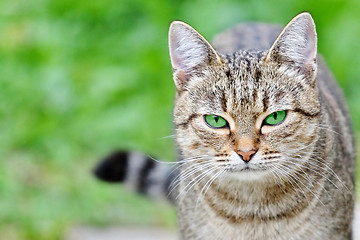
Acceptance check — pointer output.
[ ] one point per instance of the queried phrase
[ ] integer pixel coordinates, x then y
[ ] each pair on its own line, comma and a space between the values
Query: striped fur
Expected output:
299, 182
139, 173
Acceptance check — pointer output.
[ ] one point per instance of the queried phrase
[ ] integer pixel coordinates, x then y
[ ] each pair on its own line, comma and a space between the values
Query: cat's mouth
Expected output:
245, 168
247, 172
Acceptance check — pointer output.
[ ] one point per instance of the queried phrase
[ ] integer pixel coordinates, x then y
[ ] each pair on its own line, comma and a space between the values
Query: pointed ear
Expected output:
296, 46
190, 53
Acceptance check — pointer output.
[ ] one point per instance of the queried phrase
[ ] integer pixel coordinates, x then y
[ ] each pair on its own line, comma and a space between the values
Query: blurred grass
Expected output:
80, 78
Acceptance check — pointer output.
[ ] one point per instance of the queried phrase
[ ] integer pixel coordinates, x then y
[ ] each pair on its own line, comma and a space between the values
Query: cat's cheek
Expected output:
210, 141
268, 130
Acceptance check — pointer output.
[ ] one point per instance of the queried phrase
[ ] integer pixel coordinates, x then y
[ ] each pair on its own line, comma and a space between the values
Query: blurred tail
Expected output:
138, 172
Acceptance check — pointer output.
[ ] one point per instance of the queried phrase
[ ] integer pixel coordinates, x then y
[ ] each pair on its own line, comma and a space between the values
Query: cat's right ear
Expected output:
190, 53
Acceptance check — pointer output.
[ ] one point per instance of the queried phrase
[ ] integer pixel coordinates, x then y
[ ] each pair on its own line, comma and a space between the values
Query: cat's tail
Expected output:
140, 173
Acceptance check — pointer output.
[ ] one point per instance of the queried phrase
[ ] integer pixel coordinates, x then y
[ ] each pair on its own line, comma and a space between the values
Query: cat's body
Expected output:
251, 178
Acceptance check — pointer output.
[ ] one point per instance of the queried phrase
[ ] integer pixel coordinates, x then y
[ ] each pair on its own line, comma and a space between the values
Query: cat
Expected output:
266, 149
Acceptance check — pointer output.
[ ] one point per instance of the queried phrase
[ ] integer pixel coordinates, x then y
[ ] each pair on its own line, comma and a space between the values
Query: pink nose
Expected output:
246, 156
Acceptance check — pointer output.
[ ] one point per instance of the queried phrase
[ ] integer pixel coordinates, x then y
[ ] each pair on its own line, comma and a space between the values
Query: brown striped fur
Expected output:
300, 182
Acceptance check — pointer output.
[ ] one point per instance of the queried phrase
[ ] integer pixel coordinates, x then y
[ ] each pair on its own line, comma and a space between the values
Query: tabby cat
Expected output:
265, 143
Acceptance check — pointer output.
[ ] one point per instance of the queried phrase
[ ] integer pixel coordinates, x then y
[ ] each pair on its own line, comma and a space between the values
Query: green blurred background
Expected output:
81, 78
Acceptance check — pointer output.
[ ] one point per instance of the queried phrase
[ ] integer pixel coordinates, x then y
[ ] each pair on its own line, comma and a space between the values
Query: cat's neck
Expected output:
242, 200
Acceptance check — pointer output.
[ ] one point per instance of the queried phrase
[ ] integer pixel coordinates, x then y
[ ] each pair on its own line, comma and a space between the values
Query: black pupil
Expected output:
275, 115
216, 118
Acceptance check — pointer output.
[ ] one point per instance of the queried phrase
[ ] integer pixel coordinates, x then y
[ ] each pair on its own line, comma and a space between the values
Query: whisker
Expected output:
195, 180
323, 166
326, 127
308, 176
299, 181
192, 168
169, 136
191, 159
290, 179
314, 170
210, 181
188, 172
197, 161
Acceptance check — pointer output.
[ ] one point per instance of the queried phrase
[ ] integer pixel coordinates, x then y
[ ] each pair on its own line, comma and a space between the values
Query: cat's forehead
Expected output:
246, 84
244, 73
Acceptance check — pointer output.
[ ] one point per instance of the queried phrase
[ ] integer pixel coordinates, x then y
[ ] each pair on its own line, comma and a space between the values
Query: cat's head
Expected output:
247, 113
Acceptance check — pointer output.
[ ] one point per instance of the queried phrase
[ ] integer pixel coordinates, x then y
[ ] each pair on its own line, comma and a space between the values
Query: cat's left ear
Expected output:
296, 47
190, 54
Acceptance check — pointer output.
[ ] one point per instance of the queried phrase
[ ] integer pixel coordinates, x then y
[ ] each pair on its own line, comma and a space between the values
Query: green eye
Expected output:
275, 118
215, 121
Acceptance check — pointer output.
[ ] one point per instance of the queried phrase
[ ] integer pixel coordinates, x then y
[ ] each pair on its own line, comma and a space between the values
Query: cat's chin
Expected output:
248, 174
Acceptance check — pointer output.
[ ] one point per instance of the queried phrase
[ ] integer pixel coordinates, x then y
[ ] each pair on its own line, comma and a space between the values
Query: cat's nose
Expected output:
246, 156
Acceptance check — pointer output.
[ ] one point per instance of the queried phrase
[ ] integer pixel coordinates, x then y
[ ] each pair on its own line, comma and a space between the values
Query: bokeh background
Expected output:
81, 78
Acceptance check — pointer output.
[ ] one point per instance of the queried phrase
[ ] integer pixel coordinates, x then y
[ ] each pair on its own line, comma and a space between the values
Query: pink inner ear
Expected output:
176, 59
188, 48
174, 56
310, 50
190, 53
